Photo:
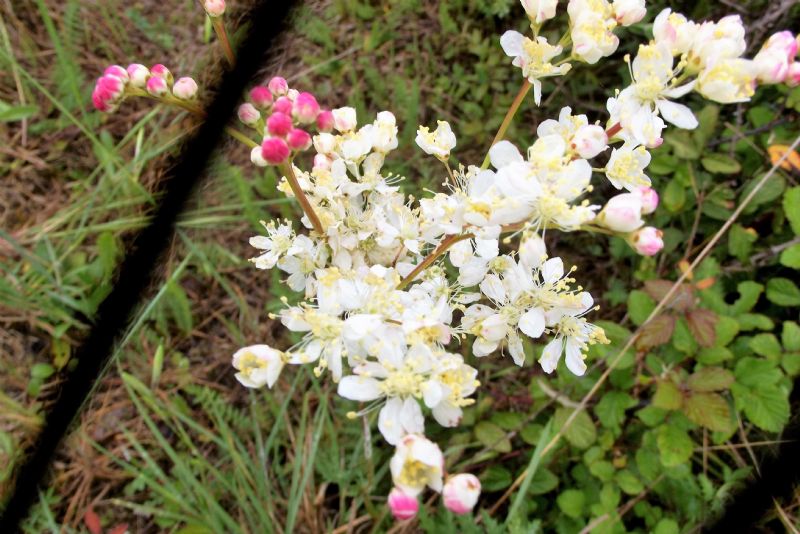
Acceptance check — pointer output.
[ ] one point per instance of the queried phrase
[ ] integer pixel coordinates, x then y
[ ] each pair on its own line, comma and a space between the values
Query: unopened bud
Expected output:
402, 505
279, 124
298, 139
185, 88
138, 75
647, 241
161, 71
590, 140
257, 157
261, 97
649, 198
305, 108
214, 8
325, 143
628, 12
325, 121
283, 104
278, 86
461, 493
793, 75
157, 86
622, 213
344, 119
248, 114
117, 71
274, 150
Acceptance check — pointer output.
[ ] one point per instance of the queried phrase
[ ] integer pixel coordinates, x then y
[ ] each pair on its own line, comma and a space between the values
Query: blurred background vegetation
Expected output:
171, 443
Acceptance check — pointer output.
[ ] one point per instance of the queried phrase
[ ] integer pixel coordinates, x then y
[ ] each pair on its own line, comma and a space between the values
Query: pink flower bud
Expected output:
461, 493
325, 121
185, 88
274, 150
589, 141
248, 114
110, 86
298, 139
773, 60
322, 162
647, 241
305, 108
101, 102
157, 86
629, 12
622, 213
278, 86
257, 157
118, 72
402, 505
793, 75
279, 124
214, 8
283, 104
138, 75
161, 71
649, 198
261, 97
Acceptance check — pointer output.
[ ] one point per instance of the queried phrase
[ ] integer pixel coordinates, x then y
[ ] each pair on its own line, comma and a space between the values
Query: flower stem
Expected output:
613, 130
526, 86
445, 244
301, 197
222, 35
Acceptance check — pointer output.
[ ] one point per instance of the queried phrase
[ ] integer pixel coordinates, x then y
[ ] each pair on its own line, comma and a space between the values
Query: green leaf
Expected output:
611, 408
757, 373
755, 321
492, 436
602, 469
640, 305
771, 191
657, 332
790, 337
581, 432
710, 379
791, 207
710, 410
740, 242
720, 164
726, 330
707, 124
749, 292
713, 355
783, 292
790, 361
674, 445
682, 144
766, 345
667, 395
16, 113
495, 478
791, 257
629, 482
702, 325
667, 526
543, 481
571, 503
767, 408
674, 196
42, 371
683, 339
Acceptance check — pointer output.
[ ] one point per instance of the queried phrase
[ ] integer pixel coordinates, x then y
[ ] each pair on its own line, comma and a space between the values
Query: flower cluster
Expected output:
118, 83
276, 112
390, 285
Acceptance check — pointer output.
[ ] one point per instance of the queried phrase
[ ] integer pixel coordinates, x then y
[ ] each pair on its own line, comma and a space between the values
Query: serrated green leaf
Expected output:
668, 396
707, 124
683, 339
702, 325
767, 408
710, 410
543, 481
640, 305
720, 164
783, 292
571, 503
749, 292
791, 257
771, 191
581, 433
710, 379
757, 373
667, 526
495, 478
492, 436
682, 144
674, 196
766, 345
713, 355
674, 445
740, 242
726, 330
602, 469
611, 408
791, 207
629, 482
755, 321
790, 336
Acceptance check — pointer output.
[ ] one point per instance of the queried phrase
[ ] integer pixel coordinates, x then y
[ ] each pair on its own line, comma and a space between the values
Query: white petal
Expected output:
447, 414
574, 358
532, 322
460, 253
511, 41
359, 388
484, 347
504, 153
550, 356
678, 114
553, 269
389, 421
411, 417
432, 393
515, 348
493, 288
487, 248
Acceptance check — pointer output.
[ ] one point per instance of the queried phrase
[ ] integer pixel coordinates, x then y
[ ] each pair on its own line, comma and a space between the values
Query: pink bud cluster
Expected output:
460, 494
775, 62
281, 111
117, 82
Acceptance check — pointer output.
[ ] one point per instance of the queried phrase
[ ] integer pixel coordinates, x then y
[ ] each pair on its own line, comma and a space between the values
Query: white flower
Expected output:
674, 30
275, 244
628, 12
728, 81
589, 141
438, 143
592, 25
540, 10
715, 41
533, 57
773, 60
573, 335
586, 140
417, 462
258, 365
626, 166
